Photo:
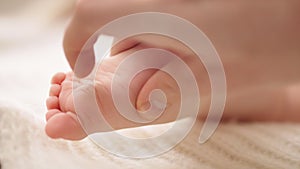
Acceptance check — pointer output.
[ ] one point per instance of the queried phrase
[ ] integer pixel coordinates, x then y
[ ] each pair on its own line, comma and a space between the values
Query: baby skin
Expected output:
61, 116
262, 84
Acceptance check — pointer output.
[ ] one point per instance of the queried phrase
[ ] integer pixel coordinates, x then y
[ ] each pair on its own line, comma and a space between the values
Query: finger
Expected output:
92, 15
291, 104
165, 83
89, 17
266, 103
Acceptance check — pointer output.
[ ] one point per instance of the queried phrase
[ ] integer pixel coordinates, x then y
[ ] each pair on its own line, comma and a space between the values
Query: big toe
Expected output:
64, 125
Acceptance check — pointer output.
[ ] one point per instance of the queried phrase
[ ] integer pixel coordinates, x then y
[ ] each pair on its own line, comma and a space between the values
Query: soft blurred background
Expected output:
31, 34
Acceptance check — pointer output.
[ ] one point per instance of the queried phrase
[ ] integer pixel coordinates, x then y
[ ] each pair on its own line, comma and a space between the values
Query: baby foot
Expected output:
61, 119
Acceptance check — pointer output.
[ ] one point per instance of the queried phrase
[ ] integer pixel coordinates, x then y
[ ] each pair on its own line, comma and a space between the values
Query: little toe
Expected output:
58, 78
52, 103
54, 90
66, 126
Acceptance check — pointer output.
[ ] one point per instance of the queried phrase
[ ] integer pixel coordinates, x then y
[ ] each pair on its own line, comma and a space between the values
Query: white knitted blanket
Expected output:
23, 144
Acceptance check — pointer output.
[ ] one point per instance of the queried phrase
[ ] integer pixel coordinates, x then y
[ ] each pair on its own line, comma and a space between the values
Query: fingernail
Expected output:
158, 102
142, 107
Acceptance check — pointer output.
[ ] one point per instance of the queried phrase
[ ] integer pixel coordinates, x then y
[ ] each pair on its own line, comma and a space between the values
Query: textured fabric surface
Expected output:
23, 144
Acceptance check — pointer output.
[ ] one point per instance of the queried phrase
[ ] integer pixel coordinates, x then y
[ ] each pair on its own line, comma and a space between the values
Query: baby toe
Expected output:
54, 90
51, 113
52, 103
64, 125
58, 78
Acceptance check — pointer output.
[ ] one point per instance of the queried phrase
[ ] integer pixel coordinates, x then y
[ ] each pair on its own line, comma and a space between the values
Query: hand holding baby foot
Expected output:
61, 116
262, 66
63, 123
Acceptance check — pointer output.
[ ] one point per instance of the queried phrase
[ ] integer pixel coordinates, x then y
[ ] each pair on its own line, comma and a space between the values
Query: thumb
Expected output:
160, 94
